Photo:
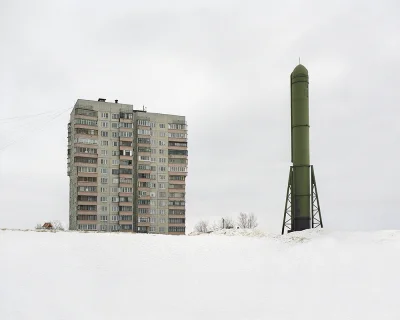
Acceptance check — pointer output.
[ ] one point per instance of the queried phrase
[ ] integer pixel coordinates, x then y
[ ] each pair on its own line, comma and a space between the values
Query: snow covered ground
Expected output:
237, 275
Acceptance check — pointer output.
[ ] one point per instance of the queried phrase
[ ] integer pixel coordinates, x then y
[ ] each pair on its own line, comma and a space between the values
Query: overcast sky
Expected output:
225, 65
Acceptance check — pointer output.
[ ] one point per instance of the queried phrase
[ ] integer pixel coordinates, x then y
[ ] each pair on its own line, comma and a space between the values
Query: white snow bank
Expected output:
306, 275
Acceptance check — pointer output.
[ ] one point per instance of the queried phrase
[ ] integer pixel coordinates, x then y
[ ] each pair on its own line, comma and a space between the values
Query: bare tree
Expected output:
252, 221
38, 226
201, 226
57, 225
227, 223
242, 220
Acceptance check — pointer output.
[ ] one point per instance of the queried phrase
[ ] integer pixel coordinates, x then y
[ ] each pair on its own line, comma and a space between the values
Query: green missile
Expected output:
300, 132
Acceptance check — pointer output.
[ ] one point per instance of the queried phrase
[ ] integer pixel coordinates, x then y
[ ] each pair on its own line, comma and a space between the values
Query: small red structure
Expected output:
48, 226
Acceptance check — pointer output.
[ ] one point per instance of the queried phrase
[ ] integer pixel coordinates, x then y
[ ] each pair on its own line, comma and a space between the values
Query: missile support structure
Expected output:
302, 209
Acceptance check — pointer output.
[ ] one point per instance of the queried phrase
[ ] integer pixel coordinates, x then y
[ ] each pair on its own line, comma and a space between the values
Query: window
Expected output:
86, 112
104, 115
125, 208
115, 153
153, 220
104, 208
144, 140
85, 160
152, 194
162, 211
104, 133
176, 229
86, 208
114, 125
162, 168
145, 123
125, 125
176, 220
144, 158
103, 170
177, 169
115, 227
152, 124
102, 189
152, 159
104, 142
103, 227
162, 220
143, 210
153, 168
103, 218
161, 143
162, 134
143, 219
142, 193
143, 167
115, 172
161, 185
144, 132
153, 142
114, 218
162, 160
161, 229
90, 132
126, 153
104, 124
162, 125
114, 208
126, 190
103, 161
177, 135
85, 140
115, 162
162, 151
115, 116
86, 169
86, 227
153, 177
104, 180
176, 126
152, 229
86, 122
104, 152
87, 179
103, 199
126, 134
162, 194
115, 143
153, 211
85, 150
181, 178
153, 151
162, 177
114, 134
114, 199
115, 180
114, 189
162, 203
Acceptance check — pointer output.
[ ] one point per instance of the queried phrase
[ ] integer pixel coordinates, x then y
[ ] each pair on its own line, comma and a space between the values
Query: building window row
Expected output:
87, 227
90, 132
85, 150
176, 220
87, 189
176, 211
85, 112
176, 229
177, 135
85, 140
87, 198
177, 126
86, 217
86, 122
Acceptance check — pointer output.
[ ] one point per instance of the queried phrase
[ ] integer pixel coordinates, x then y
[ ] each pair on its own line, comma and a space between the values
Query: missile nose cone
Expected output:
300, 69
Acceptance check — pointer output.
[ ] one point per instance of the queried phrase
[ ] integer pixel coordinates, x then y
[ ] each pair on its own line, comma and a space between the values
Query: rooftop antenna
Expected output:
299, 60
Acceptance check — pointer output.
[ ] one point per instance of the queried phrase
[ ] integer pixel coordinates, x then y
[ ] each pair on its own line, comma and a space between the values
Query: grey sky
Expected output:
226, 66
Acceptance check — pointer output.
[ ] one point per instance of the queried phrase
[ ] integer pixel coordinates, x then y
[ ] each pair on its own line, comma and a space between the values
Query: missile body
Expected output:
300, 145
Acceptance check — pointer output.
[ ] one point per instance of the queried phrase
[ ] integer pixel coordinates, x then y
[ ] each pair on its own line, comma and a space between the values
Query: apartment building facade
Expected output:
127, 169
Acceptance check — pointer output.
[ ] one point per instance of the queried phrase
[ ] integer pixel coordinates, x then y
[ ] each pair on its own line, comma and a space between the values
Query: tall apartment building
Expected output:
127, 169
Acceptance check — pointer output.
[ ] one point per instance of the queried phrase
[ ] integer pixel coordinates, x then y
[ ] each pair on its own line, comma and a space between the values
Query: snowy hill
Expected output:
225, 275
